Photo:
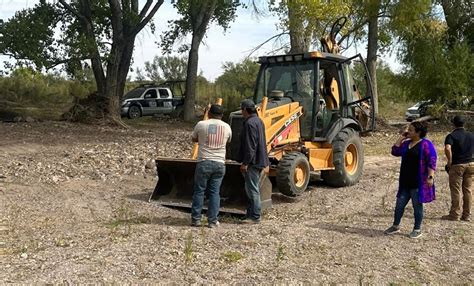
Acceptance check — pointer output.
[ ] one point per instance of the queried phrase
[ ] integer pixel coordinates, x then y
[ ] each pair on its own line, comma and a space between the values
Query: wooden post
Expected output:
263, 108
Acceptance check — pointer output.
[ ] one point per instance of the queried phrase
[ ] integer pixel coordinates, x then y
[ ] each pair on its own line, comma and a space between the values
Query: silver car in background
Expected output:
418, 110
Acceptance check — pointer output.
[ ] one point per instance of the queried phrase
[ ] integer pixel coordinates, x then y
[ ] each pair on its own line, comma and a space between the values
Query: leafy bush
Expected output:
25, 90
443, 73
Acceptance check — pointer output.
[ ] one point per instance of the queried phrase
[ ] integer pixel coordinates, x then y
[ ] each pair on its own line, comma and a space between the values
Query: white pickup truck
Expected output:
150, 99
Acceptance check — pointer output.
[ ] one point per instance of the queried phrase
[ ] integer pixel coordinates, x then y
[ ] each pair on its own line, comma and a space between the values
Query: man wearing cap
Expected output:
253, 157
212, 135
459, 150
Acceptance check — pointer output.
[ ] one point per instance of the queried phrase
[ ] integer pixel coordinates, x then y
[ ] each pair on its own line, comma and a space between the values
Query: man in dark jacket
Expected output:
459, 150
254, 158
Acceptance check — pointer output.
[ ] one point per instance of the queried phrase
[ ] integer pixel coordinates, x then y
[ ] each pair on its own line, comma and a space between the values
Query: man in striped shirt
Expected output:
212, 135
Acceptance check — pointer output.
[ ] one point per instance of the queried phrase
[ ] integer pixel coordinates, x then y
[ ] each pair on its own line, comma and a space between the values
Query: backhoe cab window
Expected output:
294, 80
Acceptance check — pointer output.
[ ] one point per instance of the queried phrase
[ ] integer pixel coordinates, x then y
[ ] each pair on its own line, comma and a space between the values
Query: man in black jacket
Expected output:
254, 158
459, 150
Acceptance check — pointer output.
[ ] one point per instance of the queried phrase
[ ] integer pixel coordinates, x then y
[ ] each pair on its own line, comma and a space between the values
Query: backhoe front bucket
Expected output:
175, 186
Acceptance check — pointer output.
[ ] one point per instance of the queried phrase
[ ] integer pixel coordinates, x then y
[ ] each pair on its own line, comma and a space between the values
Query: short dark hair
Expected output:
420, 127
458, 121
249, 106
216, 110
247, 103
250, 110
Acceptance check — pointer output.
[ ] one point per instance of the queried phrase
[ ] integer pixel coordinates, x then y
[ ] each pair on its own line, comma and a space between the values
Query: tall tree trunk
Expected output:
193, 60
298, 41
113, 88
127, 55
200, 24
372, 48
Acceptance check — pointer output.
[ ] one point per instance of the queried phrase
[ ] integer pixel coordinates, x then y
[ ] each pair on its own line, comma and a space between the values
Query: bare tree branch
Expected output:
145, 9
354, 29
63, 61
148, 18
72, 10
276, 37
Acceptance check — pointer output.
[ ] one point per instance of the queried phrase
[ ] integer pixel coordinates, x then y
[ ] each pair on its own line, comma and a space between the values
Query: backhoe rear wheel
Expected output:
348, 159
292, 175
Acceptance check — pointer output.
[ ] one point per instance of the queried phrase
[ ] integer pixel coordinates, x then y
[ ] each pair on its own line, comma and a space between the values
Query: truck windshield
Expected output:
291, 78
134, 93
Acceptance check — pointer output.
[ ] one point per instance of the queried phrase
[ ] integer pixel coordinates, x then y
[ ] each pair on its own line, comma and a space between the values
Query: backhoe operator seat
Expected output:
330, 94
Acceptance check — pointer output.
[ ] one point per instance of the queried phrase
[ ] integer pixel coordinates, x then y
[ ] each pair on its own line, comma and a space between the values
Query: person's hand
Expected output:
404, 132
243, 168
430, 181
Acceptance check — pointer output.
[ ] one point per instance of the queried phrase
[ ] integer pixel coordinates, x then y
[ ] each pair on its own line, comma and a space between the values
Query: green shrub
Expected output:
44, 96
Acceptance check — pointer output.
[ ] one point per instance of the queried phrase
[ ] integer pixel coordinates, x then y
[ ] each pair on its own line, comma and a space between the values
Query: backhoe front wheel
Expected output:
292, 175
348, 159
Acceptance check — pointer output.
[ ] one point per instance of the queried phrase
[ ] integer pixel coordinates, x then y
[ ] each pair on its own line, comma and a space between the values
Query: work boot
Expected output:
392, 230
449, 217
466, 218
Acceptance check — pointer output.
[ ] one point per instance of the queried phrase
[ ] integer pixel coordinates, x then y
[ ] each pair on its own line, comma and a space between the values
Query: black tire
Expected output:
348, 167
134, 111
293, 173
177, 112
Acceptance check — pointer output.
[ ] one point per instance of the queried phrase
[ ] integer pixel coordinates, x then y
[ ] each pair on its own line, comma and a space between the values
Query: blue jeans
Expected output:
252, 179
207, 180
402, 201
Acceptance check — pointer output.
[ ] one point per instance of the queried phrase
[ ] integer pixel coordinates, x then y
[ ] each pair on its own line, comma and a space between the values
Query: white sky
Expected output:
244, 34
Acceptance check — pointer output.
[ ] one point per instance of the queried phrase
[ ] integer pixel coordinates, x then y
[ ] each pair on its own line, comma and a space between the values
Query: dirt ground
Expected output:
73, 203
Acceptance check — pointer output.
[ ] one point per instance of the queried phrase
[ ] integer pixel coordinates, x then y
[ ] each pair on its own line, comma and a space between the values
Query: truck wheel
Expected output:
134, 112
292, 175
348, 159
177, 112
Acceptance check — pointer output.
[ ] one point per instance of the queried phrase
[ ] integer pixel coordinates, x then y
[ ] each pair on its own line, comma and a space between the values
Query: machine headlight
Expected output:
126, 103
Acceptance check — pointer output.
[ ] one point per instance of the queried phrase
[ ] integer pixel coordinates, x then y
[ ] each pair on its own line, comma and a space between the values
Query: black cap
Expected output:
247, 103
458, 121
216, 109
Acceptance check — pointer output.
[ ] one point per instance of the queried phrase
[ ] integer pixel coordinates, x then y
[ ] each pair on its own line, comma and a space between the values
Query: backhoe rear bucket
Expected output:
175, 186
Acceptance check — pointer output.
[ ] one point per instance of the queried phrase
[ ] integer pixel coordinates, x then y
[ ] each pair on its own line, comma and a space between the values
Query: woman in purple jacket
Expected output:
416, 180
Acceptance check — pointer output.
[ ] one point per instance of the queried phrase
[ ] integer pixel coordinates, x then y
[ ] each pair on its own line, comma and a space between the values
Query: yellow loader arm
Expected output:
282, 126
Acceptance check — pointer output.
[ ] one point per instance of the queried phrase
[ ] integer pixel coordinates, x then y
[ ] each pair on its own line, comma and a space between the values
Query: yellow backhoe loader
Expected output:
313, 112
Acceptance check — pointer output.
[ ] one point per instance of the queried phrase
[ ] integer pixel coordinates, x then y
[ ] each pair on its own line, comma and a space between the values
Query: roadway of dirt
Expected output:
73, 203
